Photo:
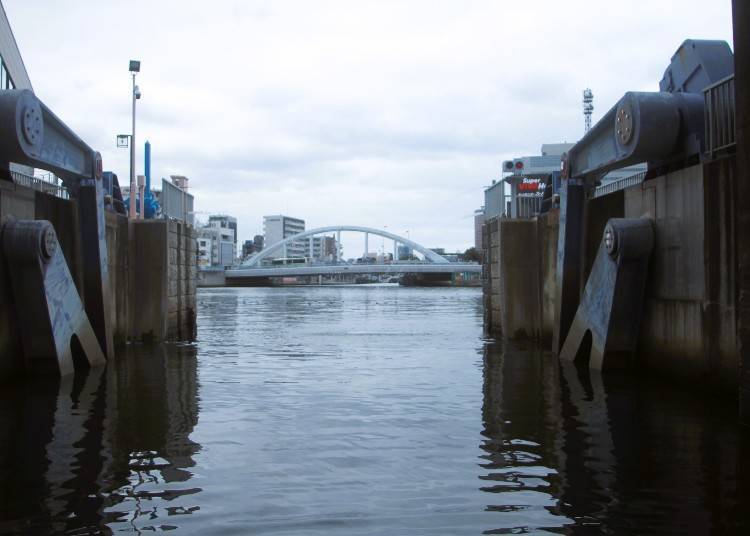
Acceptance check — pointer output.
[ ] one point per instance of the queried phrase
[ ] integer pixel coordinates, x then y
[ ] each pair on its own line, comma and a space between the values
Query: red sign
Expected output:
531, 188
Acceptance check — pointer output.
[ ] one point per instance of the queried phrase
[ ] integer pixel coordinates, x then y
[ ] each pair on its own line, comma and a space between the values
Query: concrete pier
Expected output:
688, 328
152, 268
163, 280
695, 321
519, 276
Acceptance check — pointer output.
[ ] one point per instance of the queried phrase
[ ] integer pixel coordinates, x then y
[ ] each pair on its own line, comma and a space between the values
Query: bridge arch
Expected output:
428, 254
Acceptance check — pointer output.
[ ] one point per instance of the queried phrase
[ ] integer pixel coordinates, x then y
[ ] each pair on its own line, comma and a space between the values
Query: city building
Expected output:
279, 227
478, 226
530, 183
205, 244
222, 221
323, 248
528, 178
180, 181
248, 248
13, 73
215, 247
253, 246
405, 252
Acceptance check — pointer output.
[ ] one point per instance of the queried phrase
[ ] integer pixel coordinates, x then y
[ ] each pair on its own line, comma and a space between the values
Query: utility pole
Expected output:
135, 67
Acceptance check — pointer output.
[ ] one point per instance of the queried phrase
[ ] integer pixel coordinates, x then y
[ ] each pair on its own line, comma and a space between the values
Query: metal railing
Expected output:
619, 184
719, 115
40, 184
269, 264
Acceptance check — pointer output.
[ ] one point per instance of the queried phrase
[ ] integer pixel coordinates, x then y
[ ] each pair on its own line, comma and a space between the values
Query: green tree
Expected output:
472, 254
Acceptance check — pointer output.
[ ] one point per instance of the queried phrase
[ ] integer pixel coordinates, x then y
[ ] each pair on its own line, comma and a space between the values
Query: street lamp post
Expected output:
135, 67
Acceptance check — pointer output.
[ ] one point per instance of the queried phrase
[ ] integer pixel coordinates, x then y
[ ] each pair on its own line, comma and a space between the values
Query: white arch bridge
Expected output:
433, 262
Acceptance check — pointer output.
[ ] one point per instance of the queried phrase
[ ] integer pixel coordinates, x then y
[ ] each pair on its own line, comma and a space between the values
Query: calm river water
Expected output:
357, 410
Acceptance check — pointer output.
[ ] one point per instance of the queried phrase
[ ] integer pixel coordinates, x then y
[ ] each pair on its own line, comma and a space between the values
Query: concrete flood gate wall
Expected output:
695, 135
152, 272
211, 278
163, 280
519, 276
689, 325
741, 18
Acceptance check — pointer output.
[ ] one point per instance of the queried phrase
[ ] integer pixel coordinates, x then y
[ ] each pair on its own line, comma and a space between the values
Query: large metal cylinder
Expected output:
628, 239
641, 127
29, 241
21, 124
648, 125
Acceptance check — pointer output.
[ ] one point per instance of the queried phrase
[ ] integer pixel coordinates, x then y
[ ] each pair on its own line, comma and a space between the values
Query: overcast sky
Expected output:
368, 113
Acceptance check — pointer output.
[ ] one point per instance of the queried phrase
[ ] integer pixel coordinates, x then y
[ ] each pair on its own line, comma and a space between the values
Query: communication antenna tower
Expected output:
588, 108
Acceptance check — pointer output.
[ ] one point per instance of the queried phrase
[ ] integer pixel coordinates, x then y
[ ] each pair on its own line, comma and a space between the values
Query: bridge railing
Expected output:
269, 264
40, 185
619, 184
329, 263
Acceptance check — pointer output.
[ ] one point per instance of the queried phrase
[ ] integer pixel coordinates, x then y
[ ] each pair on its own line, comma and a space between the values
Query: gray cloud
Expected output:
370, 112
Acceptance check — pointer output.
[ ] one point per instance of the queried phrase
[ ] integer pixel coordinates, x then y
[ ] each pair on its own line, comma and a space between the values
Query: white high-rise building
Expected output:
278, 227
222, 221
323, 248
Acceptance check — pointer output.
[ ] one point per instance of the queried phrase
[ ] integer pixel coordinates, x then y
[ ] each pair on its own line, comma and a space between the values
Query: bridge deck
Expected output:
291, 271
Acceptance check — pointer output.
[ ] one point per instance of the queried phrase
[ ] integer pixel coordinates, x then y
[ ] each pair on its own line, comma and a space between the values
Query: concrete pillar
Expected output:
311, 248
338, 246
395, 251
741, 19
367, 244
569, 258
517, 268
284, 251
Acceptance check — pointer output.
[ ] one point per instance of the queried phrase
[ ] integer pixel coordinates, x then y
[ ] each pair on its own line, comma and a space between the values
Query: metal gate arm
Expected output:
36, 137
641, 127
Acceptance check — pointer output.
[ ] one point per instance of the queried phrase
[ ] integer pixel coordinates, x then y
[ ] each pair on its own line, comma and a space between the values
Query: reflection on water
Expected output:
362, 410
96, 449
587, 454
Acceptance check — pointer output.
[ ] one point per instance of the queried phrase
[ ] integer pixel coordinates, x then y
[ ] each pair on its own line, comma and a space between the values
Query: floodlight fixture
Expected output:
135, 66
